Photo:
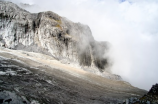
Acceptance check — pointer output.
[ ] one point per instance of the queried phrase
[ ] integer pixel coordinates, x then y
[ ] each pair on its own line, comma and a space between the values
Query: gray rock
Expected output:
57, 87
51, 34
8, 97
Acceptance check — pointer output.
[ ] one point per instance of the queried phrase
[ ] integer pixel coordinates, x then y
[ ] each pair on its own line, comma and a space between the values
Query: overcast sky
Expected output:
131, 26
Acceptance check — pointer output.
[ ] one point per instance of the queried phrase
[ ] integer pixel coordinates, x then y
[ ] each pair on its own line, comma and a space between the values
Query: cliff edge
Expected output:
51, 34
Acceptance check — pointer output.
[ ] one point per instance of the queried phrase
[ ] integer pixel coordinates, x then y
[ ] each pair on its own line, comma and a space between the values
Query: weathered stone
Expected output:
49, 33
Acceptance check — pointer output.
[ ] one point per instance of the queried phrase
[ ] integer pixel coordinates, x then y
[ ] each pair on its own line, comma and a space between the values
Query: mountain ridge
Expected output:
49, 33
45, 58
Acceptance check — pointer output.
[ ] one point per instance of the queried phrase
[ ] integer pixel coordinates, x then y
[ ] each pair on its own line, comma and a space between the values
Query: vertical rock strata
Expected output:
49, 33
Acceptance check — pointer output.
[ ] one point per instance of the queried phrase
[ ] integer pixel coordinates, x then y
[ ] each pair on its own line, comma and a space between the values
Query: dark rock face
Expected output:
48, 33
150, 98
154, 90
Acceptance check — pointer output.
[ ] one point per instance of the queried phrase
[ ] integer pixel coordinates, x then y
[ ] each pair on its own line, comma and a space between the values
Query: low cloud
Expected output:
129, 25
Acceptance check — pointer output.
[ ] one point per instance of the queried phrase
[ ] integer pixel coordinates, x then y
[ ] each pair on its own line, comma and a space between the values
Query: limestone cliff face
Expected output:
49, 33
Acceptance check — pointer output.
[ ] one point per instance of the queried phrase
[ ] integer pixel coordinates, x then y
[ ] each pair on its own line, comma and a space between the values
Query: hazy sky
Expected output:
131, 26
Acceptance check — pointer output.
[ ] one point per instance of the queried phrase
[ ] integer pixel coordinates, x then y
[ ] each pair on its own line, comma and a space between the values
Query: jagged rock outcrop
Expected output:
32, 77
149, 98
49, 33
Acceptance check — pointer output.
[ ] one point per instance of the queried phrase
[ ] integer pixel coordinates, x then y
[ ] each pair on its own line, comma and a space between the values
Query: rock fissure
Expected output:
49, 33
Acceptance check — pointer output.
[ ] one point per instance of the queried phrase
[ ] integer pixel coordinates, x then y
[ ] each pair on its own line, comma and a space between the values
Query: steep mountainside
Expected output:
47, 59
51, 34
28, 77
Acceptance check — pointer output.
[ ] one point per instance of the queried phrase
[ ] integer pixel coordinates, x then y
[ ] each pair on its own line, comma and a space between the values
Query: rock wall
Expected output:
49, 33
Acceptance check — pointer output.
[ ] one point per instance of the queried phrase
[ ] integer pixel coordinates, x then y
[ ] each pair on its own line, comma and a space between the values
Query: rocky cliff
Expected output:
38, 66
51, 34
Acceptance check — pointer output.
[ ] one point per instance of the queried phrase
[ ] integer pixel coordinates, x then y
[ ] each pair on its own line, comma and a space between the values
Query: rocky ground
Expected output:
29, 78
75, 72
150, 98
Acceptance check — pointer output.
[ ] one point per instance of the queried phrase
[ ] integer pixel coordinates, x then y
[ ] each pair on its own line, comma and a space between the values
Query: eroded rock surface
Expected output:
49, 33
26, 78
149, 98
